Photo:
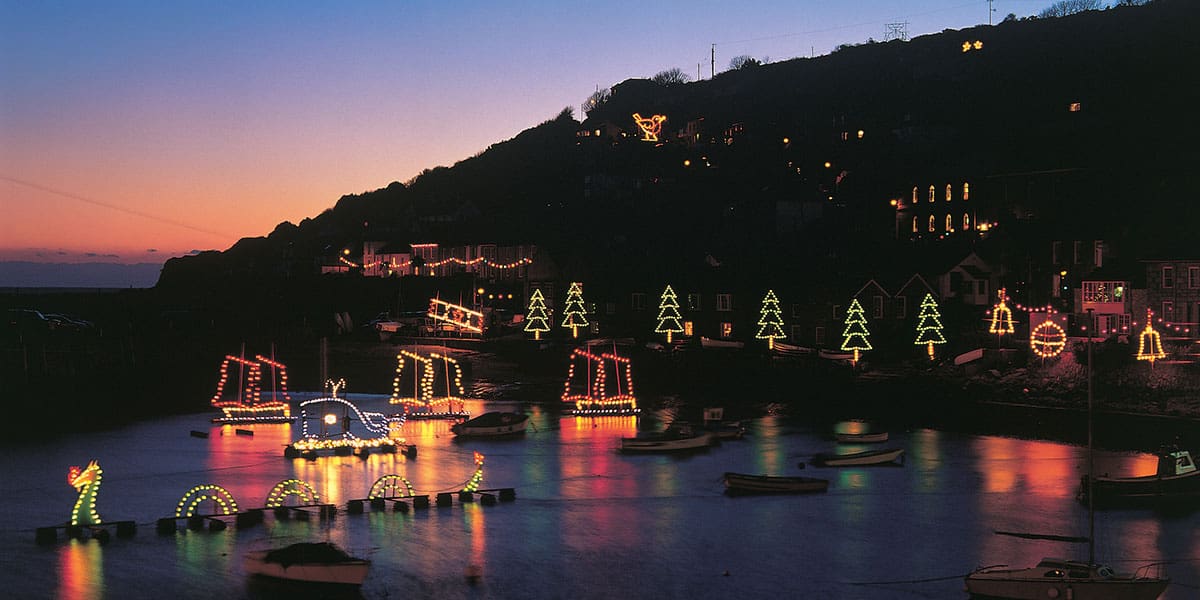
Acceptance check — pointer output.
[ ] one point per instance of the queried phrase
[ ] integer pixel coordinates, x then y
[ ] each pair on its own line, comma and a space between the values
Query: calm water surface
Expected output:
587, 523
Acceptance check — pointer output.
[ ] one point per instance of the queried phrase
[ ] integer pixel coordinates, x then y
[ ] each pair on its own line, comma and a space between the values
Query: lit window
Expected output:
687, 328
914, 194
1075, 107
966, 191
861, 133
932, 193
724, 302
949, 223
966, 222
726, 329
949, 191
914, 224
932, 223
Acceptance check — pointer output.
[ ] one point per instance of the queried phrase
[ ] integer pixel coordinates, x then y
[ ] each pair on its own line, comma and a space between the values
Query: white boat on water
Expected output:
859, 459
675, 438
311, 562
870, 437
492, 424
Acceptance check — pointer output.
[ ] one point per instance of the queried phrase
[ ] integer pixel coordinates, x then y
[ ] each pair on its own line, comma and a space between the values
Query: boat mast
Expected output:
1091, 459
241, 400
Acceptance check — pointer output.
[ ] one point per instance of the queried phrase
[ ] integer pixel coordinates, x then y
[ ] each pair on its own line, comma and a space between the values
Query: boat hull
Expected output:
344, 573
861, 438
740, 483
1114, 491
856, 459
492, 425
1008, 585
666, 444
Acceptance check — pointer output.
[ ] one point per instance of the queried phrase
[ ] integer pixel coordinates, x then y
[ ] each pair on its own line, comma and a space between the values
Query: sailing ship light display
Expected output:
326, 426
424, 403
247, 404
590, 393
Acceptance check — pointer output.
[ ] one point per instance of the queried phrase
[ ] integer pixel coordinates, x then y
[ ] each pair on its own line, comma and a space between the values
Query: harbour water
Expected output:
587, 522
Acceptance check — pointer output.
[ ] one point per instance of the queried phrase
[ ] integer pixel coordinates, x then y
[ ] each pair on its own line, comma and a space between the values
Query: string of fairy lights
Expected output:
397, 266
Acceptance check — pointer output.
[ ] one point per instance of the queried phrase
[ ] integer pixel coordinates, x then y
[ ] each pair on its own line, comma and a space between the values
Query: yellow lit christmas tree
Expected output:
668, 314
538, 320
575, 309
929, 328
855, 334
770, 320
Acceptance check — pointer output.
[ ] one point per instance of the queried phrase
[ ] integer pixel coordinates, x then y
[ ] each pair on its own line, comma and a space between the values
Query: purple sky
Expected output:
144, 130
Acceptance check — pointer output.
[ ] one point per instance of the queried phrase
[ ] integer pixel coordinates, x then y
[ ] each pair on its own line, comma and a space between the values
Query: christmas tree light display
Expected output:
1149, 342
929, 328
537, 319
770, 320
668, 314
855, 334
86, 481
575, 310
1002, 319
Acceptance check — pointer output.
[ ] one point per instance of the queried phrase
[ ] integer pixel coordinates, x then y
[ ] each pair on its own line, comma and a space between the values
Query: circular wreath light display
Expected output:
1048, 339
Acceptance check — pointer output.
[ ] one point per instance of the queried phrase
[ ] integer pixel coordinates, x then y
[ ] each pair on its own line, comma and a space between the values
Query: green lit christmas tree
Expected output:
770, 320
929, 328
856, 333
575, 309
668, 314
537, 320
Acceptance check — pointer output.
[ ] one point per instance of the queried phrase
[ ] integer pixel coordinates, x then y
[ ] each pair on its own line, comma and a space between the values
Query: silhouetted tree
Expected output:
1011, 18
743, 61
671, 77
595, 100
1063, 8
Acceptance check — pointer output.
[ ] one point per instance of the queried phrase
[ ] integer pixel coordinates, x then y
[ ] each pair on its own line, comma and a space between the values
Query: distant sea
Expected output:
23, 274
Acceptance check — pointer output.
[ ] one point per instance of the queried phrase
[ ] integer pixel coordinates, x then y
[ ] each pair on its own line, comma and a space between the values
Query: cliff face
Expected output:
1106, 94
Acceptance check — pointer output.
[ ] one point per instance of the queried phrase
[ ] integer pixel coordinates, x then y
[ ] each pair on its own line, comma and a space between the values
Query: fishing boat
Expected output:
310, 562
1177, 479
492, 424
860, 459
714, 422
741, 483
240, 391
1058, 578
433, 396
677, 437
600, 384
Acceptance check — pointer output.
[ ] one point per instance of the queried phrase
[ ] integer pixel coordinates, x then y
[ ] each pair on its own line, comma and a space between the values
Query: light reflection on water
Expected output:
587, 521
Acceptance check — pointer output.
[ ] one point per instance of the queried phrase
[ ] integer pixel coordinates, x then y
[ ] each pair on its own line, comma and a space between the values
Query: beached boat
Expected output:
600, 384
741, 483
785, 349
1177, 478
677, 437
1057, 578
492, 424
835, 355
868, 437
859, 459
311, 562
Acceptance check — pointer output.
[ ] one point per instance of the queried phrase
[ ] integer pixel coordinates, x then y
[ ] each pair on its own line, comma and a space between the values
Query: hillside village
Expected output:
1045, 162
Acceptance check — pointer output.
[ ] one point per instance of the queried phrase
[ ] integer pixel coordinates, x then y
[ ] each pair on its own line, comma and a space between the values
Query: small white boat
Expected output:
858, 459
675, 438
741, 483
1057, 578
312, 562
492, 424
874, 437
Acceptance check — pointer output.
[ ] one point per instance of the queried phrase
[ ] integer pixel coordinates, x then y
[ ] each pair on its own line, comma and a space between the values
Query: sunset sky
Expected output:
137, 131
